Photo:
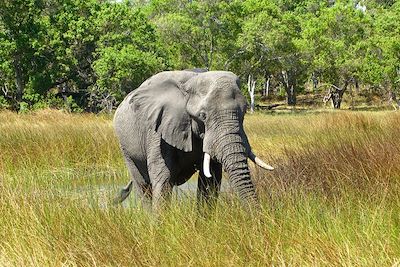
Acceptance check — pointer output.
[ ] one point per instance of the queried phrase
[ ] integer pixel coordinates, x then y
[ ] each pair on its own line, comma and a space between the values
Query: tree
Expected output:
20, 30
198, 33
97, 49
334, 39
269, 45
381, 62
127, 52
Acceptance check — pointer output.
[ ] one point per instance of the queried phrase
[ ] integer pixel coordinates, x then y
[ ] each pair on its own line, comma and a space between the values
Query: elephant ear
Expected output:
163, 105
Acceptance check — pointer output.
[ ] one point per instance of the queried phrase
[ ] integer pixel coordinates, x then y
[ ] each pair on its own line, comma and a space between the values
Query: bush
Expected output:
3, 103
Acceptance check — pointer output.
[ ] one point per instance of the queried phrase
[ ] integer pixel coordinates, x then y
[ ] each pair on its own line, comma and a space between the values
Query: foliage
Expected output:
3, 103
269, 44
75, 45
101, 50
199, 34
20, 33
381, 66
335, 39
128, 50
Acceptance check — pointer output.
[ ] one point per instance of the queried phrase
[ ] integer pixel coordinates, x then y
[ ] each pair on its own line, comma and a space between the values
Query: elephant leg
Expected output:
138, 184
161, 195
208, 188
159, 172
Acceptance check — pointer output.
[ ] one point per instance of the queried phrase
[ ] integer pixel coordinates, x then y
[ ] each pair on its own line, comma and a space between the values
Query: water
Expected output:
190, 188
102, 195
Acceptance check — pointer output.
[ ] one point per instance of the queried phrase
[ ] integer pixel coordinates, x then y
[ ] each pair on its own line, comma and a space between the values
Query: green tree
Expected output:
270, 46
381, 64
335, 40
198, 33
97, 49
20, 32
128, 51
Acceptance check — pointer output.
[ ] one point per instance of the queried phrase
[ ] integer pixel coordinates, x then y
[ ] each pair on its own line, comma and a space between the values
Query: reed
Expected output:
332, 200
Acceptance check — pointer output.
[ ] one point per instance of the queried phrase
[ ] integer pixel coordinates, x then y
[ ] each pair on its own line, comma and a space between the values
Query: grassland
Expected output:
333, 199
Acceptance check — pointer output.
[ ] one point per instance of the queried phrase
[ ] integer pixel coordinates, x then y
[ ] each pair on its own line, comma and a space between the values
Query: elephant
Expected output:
179, 122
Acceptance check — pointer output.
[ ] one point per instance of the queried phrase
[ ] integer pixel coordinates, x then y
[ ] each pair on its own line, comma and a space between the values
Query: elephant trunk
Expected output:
230, 150
234, 160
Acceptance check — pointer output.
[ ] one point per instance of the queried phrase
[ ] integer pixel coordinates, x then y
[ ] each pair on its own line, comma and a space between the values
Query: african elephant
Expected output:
178, 122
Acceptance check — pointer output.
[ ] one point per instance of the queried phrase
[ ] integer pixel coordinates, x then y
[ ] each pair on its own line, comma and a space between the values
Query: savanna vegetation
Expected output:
86, 55
333, 199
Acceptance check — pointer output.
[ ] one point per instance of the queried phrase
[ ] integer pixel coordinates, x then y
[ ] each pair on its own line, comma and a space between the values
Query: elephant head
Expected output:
209, 106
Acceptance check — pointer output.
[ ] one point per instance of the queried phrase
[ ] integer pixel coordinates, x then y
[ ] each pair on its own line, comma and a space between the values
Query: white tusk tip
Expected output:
262, 164
206, 165
208, 175
270, 168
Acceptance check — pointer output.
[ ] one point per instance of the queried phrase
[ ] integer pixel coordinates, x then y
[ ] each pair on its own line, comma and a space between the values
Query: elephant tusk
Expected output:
259, 162
206, 165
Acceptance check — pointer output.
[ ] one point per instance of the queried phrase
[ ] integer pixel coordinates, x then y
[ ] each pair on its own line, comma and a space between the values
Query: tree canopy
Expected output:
87, 55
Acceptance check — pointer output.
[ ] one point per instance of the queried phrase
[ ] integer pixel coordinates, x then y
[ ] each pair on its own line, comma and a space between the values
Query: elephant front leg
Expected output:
160, 174
162, 191
208, 187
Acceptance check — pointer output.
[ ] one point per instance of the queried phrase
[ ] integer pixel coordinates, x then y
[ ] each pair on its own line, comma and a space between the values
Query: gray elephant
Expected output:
178, 122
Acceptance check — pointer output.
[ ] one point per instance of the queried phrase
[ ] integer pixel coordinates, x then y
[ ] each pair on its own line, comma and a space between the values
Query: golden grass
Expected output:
333, 199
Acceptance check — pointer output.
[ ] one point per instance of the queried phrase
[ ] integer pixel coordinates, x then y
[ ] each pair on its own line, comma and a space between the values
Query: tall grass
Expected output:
333, 199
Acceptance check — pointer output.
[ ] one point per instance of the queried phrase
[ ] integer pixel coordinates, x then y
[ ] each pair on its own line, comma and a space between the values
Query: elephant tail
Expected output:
123, 194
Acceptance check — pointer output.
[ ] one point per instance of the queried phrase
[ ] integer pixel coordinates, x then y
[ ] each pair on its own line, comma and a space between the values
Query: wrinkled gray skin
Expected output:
165, 126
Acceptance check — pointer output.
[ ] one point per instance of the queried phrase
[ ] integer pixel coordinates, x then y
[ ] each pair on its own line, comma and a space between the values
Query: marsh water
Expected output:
103, 194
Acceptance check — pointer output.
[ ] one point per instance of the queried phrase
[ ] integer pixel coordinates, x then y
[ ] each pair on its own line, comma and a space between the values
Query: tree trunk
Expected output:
393, 99
291, 96
350, 93
357, 86
337, 95
337, 99
289, 85
211, 53
266, 86
315, 81
251, 85
19, 81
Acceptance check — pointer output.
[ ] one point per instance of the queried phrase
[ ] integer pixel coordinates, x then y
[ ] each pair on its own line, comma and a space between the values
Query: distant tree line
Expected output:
88, 54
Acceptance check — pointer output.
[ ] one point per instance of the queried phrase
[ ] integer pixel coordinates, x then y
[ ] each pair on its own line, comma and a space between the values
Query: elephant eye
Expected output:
202, 116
